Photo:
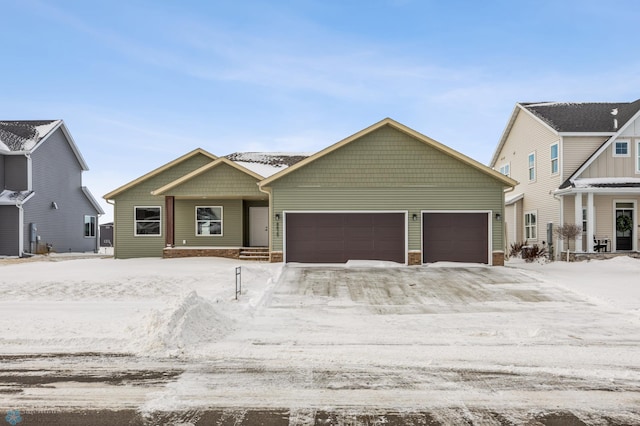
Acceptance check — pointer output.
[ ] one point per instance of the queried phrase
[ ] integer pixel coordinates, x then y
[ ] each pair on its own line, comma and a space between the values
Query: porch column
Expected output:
591, 222
169, 202
578, 221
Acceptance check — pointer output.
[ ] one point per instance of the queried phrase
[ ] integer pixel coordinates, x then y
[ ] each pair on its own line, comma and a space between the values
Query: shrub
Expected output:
515, 250
534, 252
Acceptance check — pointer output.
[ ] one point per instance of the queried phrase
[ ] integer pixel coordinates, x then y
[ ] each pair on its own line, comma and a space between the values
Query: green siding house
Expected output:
386, 193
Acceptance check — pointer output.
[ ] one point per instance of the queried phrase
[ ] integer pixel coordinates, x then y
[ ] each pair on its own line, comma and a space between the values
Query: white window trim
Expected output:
637, 156
557, 159
506, 166
135, 221
524, 225
625, 141
221, 221
95, 225
529, 168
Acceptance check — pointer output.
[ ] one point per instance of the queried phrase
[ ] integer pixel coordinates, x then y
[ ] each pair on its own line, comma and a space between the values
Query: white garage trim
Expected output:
284, 225
489, 214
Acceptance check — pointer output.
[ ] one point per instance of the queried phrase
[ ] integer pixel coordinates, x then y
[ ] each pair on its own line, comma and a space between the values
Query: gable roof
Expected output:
256, 164
198, 172
507, 181
157, 171
573, 117
587, 117
23, 136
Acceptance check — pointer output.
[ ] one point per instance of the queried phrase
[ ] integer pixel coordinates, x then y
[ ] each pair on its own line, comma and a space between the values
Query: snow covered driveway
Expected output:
464, 344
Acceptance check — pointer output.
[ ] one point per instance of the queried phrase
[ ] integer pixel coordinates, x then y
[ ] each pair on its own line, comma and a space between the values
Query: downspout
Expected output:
29, 171
560, 241
20, 230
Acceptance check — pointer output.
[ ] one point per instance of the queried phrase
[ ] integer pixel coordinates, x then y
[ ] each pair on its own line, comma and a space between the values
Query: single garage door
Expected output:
339, 237
455, 237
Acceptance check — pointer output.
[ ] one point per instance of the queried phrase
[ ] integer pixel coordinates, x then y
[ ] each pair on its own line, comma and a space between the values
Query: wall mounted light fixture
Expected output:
415, 217
498, 217
54, 205
277, 217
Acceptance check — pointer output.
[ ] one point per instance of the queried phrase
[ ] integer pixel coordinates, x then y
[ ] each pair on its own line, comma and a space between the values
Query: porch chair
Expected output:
599, 245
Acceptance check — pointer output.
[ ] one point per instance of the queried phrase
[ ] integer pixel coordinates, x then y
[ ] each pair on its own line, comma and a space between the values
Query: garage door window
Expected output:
208, 220
530, 226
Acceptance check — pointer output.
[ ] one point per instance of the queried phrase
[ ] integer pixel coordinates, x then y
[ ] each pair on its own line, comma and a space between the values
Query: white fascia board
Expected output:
92, 200
505, 133
568, 191
72, 144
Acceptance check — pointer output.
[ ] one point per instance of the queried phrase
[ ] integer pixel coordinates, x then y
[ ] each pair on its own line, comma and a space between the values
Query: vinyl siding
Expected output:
513, 218
529, 135
576, 150
606, 165
387, 170
221, 181
185, 223
9, 217
127, 245
57, 177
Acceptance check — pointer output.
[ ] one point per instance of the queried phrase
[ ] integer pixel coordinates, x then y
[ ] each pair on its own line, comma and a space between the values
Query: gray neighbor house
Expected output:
43, 205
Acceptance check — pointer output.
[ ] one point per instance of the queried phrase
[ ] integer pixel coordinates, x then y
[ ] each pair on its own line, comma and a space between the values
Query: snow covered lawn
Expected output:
559, 336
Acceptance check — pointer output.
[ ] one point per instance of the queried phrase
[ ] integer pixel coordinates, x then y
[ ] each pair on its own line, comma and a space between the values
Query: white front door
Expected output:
258, 226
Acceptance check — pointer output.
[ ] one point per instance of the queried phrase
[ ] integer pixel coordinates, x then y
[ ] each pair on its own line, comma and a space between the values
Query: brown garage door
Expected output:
455, 237
339, 237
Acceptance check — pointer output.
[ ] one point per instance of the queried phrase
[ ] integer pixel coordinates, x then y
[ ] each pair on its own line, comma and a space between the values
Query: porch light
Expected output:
415, 217
498, 217
277, 217
54, 205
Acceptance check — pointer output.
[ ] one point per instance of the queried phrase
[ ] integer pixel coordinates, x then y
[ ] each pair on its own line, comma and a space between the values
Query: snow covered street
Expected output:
460, 342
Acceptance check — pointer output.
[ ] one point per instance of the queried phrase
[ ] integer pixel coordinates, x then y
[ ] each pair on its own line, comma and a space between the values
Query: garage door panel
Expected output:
455, 237
339, 237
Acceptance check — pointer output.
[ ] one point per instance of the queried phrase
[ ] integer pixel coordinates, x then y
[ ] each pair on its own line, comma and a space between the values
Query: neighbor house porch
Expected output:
607, 214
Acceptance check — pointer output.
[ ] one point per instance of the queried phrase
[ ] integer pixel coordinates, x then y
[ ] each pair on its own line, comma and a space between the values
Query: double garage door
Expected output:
339, 237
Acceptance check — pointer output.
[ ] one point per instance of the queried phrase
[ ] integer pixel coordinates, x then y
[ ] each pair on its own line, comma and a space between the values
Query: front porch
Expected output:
608, 216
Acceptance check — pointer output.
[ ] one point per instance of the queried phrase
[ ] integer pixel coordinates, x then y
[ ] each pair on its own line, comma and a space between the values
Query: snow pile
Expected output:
192, 321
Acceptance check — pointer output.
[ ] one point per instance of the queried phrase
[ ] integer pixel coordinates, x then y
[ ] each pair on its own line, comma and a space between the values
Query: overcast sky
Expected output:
139, 83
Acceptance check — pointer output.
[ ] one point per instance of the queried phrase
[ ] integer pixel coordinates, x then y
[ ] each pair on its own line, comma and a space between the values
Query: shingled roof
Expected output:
23, 135
583, 117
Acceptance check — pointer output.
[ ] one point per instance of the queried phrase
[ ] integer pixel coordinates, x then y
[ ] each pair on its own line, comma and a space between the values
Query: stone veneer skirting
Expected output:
414, 258
498, 258
276, 257
231, 253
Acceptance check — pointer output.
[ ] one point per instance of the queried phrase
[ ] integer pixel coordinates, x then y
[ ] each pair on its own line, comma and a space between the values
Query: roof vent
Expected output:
614, 112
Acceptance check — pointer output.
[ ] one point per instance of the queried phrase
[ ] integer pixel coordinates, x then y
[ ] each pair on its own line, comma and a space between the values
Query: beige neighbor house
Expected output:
385, 193
576, 163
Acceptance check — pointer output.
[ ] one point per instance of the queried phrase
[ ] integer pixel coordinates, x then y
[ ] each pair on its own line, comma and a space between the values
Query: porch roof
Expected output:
602, 185
14, 198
